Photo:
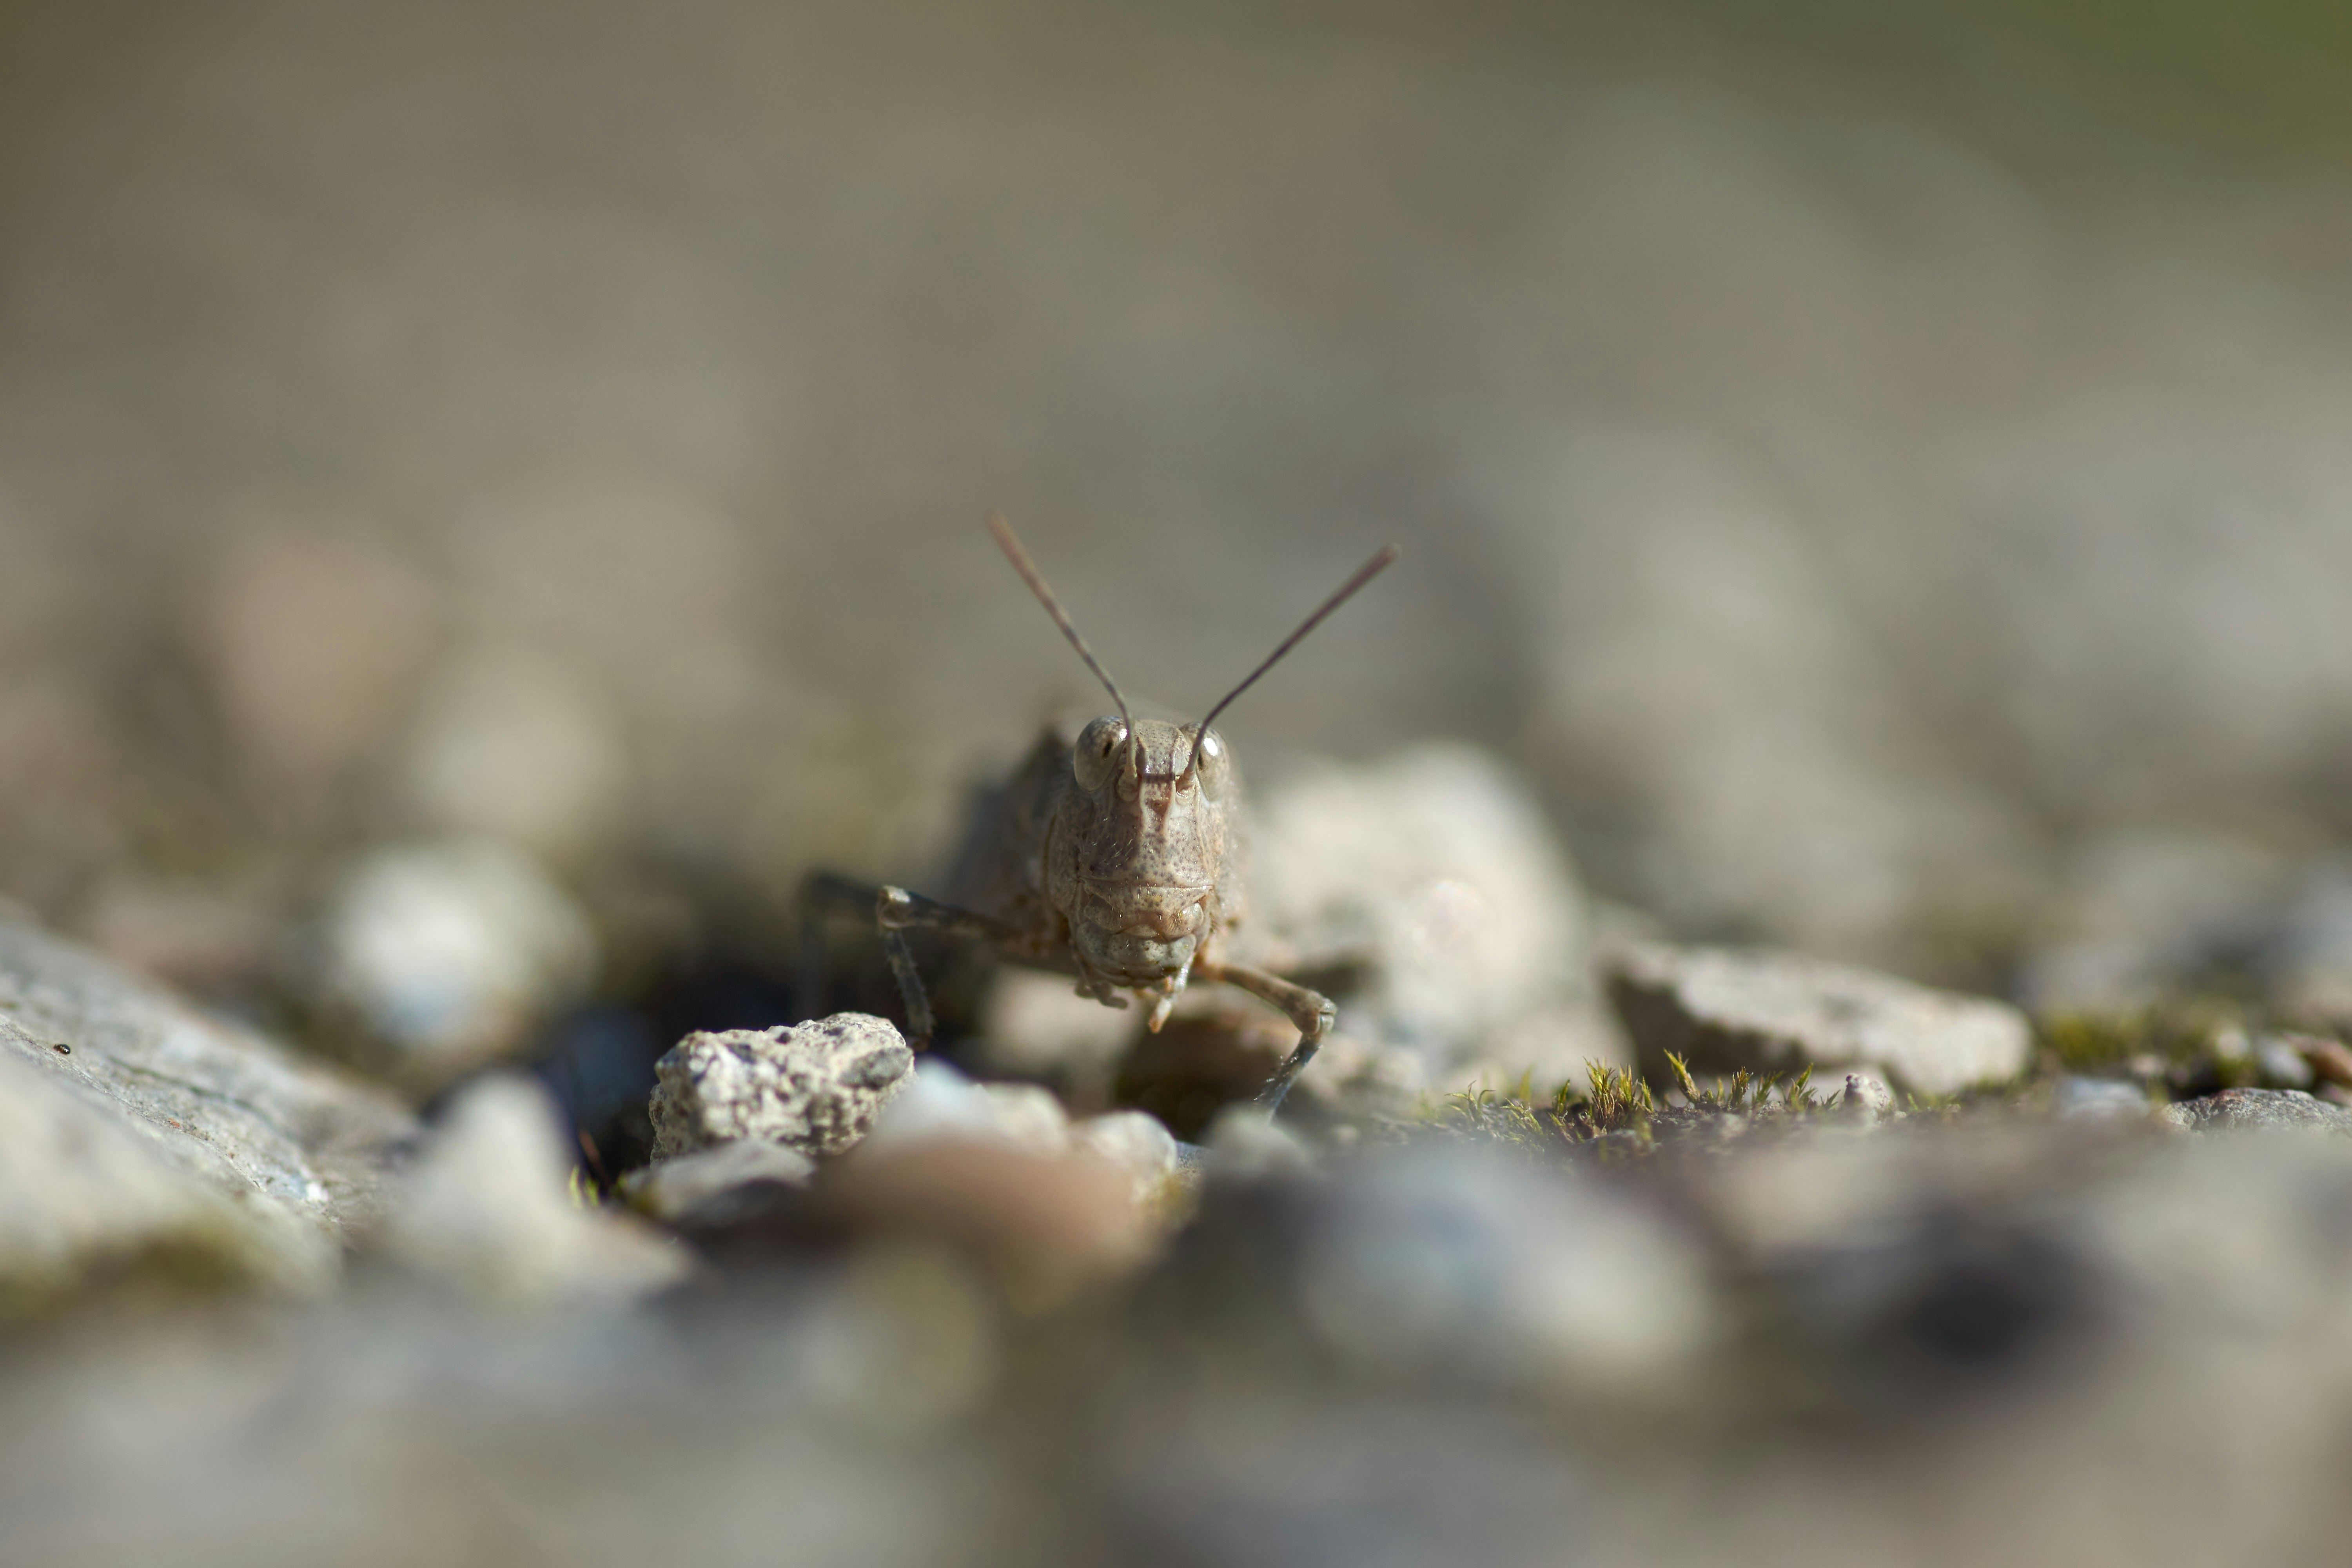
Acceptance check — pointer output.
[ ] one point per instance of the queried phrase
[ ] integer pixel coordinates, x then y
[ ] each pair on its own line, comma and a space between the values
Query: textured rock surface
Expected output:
2261, 1111
1721, 1009
815, 1087
156, 1128
93, 1194
486, 1208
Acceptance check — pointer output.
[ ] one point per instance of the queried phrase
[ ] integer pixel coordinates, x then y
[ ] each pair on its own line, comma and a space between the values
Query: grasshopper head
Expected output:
1141, 838
1146, 836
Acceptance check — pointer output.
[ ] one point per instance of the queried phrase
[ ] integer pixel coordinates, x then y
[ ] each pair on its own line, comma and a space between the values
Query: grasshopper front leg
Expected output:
1312, 1012
897, 911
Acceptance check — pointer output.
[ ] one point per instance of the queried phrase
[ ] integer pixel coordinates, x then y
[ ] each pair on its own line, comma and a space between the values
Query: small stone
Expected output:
450, 953
1454, 1259
2260, 1110
1133, 1140
486, 1208
1721, 1009
814, 1087
940, 1102
674, 1188
1244, 1142
2281, 1065
2095, 1099
1045, 1224
2327, 1059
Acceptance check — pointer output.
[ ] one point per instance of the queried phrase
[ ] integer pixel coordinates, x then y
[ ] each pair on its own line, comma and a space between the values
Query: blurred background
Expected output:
503, 481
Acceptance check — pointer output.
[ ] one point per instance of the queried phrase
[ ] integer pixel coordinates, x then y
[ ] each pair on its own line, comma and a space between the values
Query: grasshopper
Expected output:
1116, 856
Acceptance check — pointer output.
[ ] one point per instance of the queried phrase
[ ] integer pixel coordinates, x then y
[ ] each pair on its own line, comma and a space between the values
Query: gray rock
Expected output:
938, 1102
137, 1126
2260, 1110
93, 1194
1243, 1143
1133, 1140
2098, 1097
1721, 1009
814, 1087
674, 1188
1436, 875
1452, 1258
2282, 1066
449, 952
487, 1209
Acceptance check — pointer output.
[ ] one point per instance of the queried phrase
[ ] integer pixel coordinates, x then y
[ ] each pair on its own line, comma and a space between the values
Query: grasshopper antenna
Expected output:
1009, 542
1380, 561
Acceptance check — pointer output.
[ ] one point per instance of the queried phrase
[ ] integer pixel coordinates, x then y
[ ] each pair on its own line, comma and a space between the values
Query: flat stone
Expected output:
2260, 1110
814, 1087
139, 1127
1721, 1009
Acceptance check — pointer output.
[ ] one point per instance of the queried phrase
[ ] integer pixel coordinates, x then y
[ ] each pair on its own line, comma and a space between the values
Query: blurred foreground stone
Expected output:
2013, 1341
140, 1132
486, 1209
1722, 1009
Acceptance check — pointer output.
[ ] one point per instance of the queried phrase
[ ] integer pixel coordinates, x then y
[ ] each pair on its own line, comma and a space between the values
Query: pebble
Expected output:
451, 952
2098, 1099
674, 1188
815, 1087
2281, 1065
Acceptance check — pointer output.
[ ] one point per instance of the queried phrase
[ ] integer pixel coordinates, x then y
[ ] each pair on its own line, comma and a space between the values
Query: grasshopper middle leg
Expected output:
1311, 1011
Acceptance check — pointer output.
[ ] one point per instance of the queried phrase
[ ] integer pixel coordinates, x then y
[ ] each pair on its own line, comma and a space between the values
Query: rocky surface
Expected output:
814, 1087
1723, 1009
2261, 1111
142, 1128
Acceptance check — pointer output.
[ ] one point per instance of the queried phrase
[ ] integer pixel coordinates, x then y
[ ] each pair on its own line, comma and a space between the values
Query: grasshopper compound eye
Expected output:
1097, 755
1212, 767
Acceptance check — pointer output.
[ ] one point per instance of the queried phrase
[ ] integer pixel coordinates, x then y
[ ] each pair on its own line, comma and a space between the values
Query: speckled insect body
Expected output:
1117, 855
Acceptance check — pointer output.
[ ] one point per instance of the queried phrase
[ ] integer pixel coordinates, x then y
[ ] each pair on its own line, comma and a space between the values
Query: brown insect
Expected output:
1116, 856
